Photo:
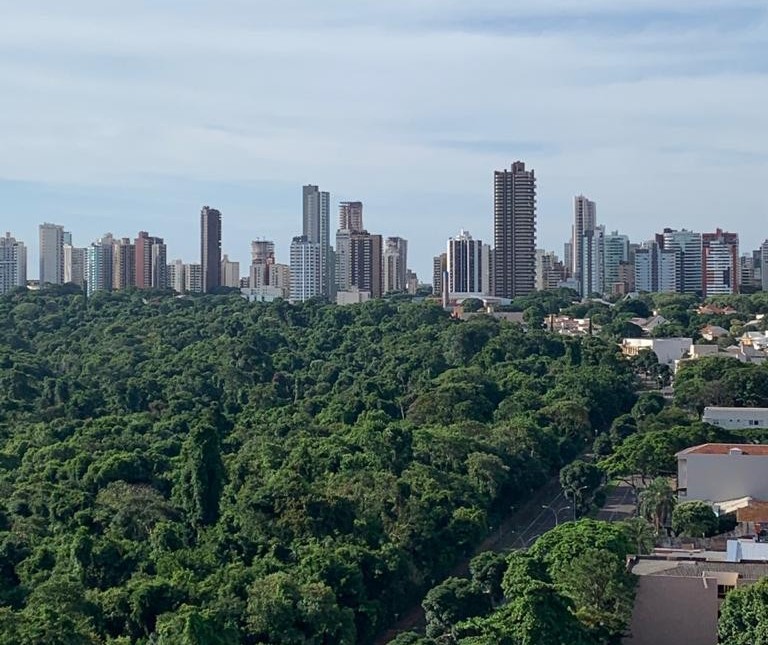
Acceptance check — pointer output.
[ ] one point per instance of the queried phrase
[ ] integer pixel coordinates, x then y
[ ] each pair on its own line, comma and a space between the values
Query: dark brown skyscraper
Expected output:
514, 230
210, 248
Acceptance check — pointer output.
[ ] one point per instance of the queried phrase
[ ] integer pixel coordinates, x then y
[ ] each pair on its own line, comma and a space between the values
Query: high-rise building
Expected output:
568, 258
764, 265
13, 264
262, 260
193, 278
305, 269
720, 263
584, 220
280, 278
351, 216
366, 263
74, 265
592, 262
615, 253
230, 272
99, 264
468, 263
625, 279
749, 272
123, 264
656, 269
550, 271
687, 245
395, 264
439, 269
176, 276
514, 228
316, 228
210, 248
343, 260
51, 254
151, 262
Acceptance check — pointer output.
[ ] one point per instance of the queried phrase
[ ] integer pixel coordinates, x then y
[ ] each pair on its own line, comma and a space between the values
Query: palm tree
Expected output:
657, 502
640, 533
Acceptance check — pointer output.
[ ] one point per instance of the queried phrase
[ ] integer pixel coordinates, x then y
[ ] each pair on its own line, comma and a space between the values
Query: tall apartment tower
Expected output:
230, 272
176, 276
439, 269
74, 265
615, 254
262, 261
366, 263
468, 264
395, 264
514, 229
351, 216
720, 263
51, 254
210, 248
123, 264
584, 220
656, 269
305, 269
592, 263
687, 245
151, 262
316, 228
763, 253
13, 264
99, 264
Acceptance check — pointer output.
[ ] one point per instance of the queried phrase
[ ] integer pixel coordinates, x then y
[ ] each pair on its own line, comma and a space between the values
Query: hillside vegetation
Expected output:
178, 470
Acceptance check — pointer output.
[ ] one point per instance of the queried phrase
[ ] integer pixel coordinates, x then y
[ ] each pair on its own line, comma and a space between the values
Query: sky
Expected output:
128, 116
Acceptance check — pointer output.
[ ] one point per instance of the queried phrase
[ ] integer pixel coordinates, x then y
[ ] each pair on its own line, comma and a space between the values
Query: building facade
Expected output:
720, 263
468, 266
210, 248
305, 269
317, 230
74, 265
51, 254
366, 265
13, 264
514, 230
351, 216
395, 260
99, 265
687, 246
230, 273
584, 221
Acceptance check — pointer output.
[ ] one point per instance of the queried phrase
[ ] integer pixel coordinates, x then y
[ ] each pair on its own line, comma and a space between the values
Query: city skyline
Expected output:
647, 108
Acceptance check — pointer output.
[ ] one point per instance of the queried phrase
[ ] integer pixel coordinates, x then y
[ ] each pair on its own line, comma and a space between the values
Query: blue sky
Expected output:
126, 116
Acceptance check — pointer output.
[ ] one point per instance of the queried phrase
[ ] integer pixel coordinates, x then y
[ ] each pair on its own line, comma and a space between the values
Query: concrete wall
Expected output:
672, 610
718, 478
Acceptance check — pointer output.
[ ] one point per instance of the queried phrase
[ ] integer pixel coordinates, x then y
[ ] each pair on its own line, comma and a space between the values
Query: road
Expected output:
543, 509
619, 504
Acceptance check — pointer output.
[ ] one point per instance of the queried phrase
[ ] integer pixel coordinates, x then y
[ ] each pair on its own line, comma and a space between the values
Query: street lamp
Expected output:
576, 492
556, 513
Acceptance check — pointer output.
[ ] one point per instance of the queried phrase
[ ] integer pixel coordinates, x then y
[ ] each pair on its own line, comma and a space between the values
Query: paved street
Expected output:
520, 528
619, 505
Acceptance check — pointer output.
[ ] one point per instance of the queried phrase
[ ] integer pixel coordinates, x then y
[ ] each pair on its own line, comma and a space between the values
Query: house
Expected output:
719, 472
649, 324
678, 598
736, 418
667, 350
713, 332
715, 310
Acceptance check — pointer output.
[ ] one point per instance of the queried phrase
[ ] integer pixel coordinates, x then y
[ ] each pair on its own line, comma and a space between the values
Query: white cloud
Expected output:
648, 110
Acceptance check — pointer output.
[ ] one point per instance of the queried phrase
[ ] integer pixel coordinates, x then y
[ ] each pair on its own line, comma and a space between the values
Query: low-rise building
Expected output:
718, 472
713, 332
678, 597
736, 418
667, 350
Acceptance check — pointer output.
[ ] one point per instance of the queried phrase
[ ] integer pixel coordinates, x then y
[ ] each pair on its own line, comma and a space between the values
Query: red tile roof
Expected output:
724, 449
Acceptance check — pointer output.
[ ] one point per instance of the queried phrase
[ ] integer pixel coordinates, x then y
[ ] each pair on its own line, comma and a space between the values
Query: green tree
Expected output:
743, 618
694, 519
580, 480
640, 533
202, 473
450, 602
656, 502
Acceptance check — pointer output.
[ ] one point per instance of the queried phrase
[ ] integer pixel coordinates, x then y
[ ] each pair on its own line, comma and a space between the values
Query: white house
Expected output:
667, 350
736, 418
718, 472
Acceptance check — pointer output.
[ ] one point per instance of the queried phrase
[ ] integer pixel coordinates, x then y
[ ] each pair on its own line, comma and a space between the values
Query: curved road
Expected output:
543, 509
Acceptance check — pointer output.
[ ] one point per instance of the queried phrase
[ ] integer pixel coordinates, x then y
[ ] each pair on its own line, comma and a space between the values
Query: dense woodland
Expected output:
203, 470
